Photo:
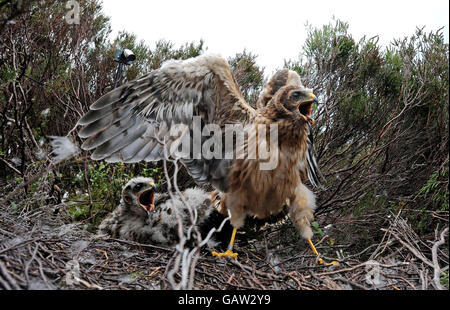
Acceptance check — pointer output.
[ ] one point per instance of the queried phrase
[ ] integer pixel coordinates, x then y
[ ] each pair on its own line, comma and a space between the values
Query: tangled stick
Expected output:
437, 269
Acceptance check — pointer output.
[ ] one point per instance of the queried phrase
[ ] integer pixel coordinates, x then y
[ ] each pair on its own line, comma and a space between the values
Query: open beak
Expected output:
146, 199
305, 108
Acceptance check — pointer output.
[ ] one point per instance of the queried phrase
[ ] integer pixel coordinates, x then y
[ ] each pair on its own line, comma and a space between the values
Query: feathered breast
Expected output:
264, 192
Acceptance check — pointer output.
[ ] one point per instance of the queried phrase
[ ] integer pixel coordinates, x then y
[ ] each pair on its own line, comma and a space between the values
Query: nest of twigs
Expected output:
40, 250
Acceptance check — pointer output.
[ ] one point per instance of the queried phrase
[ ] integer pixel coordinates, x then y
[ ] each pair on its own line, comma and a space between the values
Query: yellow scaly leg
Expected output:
229, 252
320, 260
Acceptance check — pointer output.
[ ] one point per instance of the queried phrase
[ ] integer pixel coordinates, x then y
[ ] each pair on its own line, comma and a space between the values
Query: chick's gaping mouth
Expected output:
146, 199
305, 109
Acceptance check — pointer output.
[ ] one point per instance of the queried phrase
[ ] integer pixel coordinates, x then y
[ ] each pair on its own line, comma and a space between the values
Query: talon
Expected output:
227, 253
320, 261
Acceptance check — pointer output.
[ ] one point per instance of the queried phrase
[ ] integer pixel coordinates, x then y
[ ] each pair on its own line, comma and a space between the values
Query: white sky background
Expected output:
274, 30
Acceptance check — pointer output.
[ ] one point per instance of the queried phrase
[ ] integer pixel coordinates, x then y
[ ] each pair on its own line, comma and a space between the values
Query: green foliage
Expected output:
249, 75
369, 202
7, 74
165, 50
106, 181
380, 105
322, 43
148, 58
96, 191
433, 195
14, 206
382, 131
316, 229
434, 191
345, 46
444, 279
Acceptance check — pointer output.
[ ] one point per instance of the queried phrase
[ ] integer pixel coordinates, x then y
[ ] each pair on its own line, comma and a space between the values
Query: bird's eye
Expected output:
138, 186
127, 199
296, 95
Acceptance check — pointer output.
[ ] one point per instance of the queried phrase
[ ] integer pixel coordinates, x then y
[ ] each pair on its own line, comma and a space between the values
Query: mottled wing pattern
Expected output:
313, 170
129, 123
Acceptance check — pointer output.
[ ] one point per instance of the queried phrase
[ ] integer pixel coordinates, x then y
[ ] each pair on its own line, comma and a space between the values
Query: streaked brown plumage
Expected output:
126, 124
282, 78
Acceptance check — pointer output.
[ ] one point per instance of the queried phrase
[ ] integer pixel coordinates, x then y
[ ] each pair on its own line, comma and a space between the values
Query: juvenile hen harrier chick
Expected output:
129, 123
146, 216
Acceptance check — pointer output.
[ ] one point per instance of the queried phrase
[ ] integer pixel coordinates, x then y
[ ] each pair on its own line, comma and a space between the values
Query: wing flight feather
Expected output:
126, 123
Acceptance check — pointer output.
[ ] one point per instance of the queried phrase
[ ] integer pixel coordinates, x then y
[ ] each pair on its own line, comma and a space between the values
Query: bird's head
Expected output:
291, 103
285, 97
139, 194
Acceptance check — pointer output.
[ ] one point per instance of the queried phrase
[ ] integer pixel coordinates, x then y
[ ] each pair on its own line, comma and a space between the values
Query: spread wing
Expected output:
288, 77
126, 123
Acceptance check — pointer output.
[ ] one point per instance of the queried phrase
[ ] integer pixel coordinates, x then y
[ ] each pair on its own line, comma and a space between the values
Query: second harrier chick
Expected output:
146, 216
